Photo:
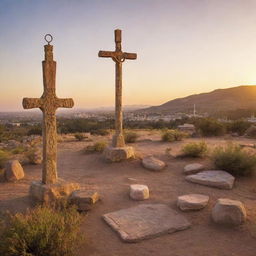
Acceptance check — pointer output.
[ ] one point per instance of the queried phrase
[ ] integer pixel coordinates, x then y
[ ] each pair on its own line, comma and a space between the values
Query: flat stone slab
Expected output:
213, 178
193, 168
153, 164
192, 202
145, 221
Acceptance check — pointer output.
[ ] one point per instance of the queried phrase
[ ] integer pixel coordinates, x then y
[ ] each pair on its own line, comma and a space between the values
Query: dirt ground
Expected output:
112, 182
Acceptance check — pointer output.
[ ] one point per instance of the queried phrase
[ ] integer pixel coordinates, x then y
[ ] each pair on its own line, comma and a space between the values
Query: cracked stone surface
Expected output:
145, 221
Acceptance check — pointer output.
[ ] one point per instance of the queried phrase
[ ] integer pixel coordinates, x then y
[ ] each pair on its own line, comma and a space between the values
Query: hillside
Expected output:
241, 97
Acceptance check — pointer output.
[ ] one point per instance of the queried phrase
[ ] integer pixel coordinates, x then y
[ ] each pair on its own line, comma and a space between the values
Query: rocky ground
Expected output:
112, 181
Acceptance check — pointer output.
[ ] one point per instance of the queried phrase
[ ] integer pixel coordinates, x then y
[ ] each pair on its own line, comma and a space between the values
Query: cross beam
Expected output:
118, 56
49, 103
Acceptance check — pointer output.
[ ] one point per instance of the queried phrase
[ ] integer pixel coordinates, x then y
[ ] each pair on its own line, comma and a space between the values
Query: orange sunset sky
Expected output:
183, 46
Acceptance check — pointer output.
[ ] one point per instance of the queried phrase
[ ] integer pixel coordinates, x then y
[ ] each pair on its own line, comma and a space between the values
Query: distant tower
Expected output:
194, 113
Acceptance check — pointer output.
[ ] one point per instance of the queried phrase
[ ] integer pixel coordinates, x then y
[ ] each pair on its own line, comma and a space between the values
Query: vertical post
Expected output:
49, 118
118, 139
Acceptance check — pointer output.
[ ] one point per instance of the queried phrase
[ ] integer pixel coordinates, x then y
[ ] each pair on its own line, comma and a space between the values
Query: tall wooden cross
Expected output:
49, 103
118, 57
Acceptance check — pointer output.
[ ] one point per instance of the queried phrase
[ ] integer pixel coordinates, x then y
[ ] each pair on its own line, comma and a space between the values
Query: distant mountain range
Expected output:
241, 97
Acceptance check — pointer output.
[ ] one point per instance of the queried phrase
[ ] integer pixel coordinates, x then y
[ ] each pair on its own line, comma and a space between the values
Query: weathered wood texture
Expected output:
49, 103
118, 57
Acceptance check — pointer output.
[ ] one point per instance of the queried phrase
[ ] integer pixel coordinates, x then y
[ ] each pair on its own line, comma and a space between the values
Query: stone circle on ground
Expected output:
193, 168
153, 164
145, 221
228, 212
192, 202
213, 178
13, 171
139, 192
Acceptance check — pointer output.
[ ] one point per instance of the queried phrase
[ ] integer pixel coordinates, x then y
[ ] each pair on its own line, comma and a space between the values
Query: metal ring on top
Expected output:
48, 38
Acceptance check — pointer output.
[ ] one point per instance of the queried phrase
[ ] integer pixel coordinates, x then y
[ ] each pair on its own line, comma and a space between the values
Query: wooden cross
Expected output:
118, 57
49, 103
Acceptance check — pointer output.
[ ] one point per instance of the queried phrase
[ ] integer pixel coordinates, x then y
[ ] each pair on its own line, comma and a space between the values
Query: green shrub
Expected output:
130, 137
18, 150
194, 149
238, 126
4, 157
251, 131
101, 132
234, 160
210, 127
41, 231
79, 136
96, 147
173, 135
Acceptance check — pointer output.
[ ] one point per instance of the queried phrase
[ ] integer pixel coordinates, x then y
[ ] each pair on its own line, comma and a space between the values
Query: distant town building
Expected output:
188, 128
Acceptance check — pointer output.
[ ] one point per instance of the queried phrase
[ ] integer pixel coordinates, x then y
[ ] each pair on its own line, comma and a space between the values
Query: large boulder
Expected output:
48, 193
193, 168
153, 164
84, 199
139, 192
118, 154
228, 212
13, 171
35, 156
213, 178
192, 202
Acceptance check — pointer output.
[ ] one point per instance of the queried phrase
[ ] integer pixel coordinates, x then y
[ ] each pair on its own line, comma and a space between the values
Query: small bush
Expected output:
234, 160
173, 135
18, 150
41, 231
194, 149
130, 137
251, 131
238, 126
96, 147
211, 127
100, 132
4, 157
79, 136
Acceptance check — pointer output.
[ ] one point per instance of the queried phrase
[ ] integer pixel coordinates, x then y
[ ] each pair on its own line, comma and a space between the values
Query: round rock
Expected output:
228, 212
139, 192
153, 164
13, 171
192, 202
193, 168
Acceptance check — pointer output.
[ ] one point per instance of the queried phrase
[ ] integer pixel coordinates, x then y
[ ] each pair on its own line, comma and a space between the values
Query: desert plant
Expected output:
251, 131
41, 231
96, 147
238, 126
194, 149
4, 157
101, 132
79, 136
173, 135
235, 160
210, 127
130, 137
18, 150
